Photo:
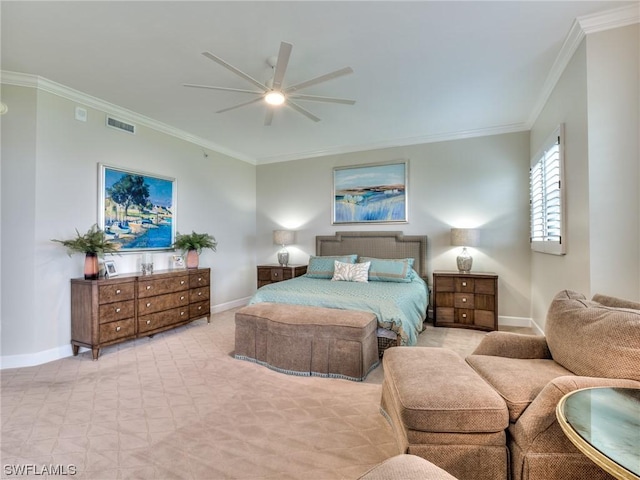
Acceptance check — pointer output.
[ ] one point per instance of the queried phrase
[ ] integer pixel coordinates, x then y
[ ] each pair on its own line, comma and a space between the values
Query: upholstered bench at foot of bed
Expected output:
441, 410
310, 341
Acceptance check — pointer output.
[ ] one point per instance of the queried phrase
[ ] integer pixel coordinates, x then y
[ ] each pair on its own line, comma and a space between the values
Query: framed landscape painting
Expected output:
136, 210
373, 193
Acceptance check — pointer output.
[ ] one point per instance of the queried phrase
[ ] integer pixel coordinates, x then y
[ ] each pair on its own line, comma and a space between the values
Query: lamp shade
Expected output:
283, 237
465, 237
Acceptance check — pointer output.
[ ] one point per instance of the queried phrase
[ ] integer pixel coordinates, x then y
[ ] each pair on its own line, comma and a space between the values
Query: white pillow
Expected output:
351, 272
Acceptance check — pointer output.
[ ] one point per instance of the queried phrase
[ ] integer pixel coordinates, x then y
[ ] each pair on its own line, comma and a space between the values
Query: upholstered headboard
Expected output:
378, 245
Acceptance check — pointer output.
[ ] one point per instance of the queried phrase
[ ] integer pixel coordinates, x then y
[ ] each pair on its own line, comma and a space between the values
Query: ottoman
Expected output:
406, 467
441, 410
310, 341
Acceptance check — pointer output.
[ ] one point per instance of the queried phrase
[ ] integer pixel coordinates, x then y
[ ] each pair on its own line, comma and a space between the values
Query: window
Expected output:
546, 185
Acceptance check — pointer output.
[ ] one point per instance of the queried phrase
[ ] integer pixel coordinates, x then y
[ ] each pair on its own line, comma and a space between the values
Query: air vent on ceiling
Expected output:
120, 125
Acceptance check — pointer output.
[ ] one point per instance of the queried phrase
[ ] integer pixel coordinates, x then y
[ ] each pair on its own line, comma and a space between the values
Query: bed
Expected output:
399, 298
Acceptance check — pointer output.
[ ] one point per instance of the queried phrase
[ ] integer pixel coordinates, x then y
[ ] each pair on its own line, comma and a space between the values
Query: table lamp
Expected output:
464, 237
284, 238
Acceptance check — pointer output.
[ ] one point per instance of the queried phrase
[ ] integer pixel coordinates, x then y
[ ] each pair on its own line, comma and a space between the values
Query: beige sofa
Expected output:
587, 343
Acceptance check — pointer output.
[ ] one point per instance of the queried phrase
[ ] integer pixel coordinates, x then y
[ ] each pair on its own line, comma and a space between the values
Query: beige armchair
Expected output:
587, 344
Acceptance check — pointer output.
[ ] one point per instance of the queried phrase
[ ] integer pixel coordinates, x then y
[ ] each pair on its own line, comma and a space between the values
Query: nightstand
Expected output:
465, 300
276, 273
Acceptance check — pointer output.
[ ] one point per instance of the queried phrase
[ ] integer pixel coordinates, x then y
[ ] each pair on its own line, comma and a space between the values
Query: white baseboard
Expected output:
514, 322
38, 358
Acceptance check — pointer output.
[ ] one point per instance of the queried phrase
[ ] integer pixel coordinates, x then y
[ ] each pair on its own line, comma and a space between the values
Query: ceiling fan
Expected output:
273, 92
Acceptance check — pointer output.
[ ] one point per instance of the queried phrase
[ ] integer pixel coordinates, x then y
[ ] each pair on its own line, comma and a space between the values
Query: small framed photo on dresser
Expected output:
110, 269
177, 262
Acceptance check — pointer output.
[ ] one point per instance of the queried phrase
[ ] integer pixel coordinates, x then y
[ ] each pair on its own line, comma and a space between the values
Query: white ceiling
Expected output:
423, 70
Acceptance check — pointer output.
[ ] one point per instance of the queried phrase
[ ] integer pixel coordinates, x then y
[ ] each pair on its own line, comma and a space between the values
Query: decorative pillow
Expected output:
389, 269
351, 272
322, 267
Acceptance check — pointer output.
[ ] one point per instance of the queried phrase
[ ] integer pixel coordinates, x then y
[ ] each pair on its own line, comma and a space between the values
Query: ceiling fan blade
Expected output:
281, 65
320, 79
241, 90
240, 105
303, 111
268, 118
316, 98
240, 73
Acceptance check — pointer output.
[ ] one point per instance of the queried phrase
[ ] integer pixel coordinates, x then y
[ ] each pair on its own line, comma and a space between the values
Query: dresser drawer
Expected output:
147, 323
158, 286
115, 292
110, 312
117, 330
465, 316
162, 302
198, 310
198, 294
199, 279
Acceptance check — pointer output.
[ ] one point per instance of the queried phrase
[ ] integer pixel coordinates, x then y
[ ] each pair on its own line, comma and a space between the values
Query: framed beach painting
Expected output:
137, 210
373, 193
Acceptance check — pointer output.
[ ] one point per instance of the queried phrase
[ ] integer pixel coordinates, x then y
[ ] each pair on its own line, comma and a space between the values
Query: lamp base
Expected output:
464, 261
283, 257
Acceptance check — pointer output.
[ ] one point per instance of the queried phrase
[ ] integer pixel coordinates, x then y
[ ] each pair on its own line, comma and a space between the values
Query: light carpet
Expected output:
179, 406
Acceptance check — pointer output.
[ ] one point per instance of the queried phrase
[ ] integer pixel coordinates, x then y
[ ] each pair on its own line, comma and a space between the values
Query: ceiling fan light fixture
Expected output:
274, 97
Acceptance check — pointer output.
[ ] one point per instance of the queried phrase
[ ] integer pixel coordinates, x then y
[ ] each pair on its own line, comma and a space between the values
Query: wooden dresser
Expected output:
276, 273
467, 300
109, 311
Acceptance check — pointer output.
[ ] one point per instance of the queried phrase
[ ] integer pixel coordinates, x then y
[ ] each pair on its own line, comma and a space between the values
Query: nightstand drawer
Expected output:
277, 273
464, 284
463, 300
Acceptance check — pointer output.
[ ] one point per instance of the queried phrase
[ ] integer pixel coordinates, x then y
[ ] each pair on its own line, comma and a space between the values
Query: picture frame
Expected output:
137, 210
370, 193
177, 262
110, 269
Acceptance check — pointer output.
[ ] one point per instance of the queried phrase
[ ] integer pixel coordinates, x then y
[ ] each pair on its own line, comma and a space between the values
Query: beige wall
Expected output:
50, 187
473, 182
597, 100
613, 73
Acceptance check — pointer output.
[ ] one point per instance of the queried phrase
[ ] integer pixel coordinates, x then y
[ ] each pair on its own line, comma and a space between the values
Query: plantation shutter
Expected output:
546, 197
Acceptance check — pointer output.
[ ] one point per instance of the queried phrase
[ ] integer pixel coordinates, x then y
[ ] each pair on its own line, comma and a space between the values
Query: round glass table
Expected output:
604, 424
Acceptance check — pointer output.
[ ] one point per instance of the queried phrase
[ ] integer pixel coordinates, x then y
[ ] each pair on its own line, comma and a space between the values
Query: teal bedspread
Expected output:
400, 307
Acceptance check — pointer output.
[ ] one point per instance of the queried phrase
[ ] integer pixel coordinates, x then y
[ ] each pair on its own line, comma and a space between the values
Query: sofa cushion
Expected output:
436, 391
591, 339
517, 380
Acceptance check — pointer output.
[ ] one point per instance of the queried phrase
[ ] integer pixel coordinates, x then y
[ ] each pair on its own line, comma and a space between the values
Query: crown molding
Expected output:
46, 85
582, 26
615, 18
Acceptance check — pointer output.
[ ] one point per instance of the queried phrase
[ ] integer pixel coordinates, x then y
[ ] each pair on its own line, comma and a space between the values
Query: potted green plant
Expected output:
93, 244
193, 243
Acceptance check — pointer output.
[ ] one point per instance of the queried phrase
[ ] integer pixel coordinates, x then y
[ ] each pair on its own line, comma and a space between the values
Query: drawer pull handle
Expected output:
148, 287
199, 308
148, 322
181, 313
148, 304
464, 315
464, 300
118, 292
199, 293
182, 297
275, 274
118, 328
181, 282
464, 284
117, 310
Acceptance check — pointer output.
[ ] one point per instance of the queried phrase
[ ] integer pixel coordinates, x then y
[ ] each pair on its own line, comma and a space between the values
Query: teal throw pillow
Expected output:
389, 269
323, 267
